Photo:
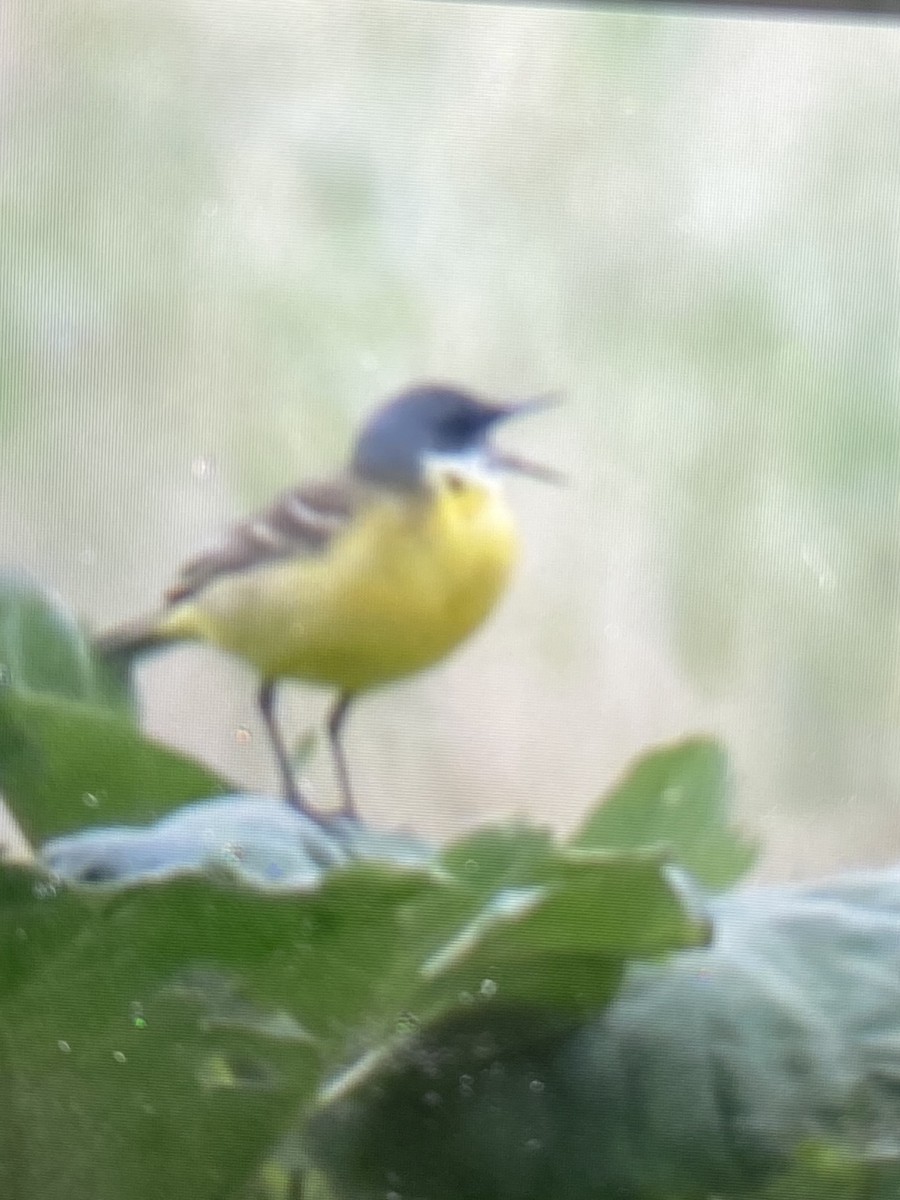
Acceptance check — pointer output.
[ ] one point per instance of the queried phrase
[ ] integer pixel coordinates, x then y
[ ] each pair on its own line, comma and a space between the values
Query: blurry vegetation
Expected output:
233, 1003
166, 1027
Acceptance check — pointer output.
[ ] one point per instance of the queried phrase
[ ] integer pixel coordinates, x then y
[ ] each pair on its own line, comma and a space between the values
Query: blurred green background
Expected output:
230, 228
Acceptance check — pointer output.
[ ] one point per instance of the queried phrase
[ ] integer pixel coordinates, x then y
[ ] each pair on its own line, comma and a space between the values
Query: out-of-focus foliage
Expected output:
288, 994
475, 1022
65, 765
213, 980
70, 753
763, 1065
678, 797
42, 649
161, 1037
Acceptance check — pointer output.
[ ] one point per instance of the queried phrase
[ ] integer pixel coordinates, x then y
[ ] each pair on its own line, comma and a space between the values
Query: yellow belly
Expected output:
393, 595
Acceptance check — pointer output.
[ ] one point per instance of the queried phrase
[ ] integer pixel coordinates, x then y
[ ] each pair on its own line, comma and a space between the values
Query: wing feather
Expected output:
302, 521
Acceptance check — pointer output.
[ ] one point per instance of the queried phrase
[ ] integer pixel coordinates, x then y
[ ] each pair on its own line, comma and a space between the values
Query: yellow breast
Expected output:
405, 584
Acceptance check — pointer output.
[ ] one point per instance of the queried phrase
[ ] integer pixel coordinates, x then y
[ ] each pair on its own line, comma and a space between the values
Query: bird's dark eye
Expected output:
455, 482
457, 431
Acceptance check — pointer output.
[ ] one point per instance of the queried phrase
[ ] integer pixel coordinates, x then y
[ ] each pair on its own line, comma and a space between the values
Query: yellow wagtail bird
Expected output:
362, 579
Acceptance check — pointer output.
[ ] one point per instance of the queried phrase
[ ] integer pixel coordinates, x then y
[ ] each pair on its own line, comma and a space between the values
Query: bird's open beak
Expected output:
523, 466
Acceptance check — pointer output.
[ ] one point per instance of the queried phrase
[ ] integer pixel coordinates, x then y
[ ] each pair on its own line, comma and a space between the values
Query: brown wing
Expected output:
301, 521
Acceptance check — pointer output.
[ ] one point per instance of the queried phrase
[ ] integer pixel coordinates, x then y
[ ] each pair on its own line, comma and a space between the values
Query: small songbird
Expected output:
364, 578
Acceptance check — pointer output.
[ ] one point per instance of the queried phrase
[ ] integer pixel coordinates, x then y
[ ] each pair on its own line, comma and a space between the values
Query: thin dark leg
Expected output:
335, 725
292, 795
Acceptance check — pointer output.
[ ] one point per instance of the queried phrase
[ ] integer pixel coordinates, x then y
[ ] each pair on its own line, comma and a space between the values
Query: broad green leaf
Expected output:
146, 1022
43, 649
32, 931
503, 854
762, 1065
822, 1172
122, 1081
678, 797
65, 764
561, 942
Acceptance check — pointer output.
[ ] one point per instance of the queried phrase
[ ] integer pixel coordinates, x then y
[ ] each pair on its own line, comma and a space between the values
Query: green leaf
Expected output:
126, 1072
822, 1172
31, 931
161, 1038
679, 797
561, 940
66, 764
43, 649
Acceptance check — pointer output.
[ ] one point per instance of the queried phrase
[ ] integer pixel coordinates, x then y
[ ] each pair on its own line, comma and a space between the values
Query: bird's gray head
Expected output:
427, 420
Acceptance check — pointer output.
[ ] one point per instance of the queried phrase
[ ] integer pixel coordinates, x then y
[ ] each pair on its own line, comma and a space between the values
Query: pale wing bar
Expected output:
301, 521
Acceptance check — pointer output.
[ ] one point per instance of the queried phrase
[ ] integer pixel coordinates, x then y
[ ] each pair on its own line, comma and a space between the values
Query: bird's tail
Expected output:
132, 638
